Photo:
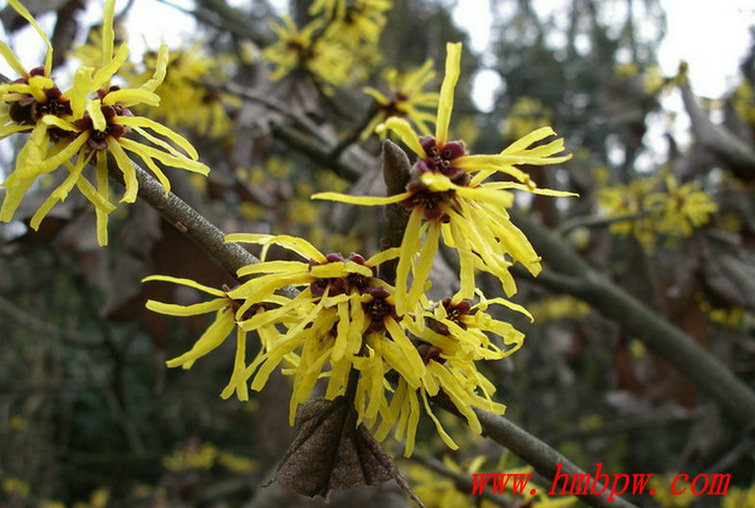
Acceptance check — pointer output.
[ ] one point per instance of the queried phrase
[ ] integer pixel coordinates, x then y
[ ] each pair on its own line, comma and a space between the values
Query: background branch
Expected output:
546, 460
737, 154
177, 212
694, 362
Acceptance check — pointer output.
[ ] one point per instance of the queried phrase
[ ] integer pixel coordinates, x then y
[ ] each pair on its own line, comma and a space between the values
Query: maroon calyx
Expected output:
378, 309
457, 311
393, 107
98, 139
28, 111
432, 353
440, 159
428, 200
340, 285
235, 305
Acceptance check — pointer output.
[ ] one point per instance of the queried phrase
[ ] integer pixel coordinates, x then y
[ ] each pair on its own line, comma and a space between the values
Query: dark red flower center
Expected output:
28, 111
428, 200
378, 309
340, 285
440, 159
454, 312
97, 138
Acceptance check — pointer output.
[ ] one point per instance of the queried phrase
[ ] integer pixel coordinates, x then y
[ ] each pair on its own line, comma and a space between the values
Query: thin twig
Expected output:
231, 256
250, 95
355, 132
596, 222
317, 151
235, 20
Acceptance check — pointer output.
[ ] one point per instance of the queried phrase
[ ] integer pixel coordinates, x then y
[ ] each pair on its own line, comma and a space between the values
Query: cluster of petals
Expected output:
83, 124
343, 327
450, 195
406, 99
387, 347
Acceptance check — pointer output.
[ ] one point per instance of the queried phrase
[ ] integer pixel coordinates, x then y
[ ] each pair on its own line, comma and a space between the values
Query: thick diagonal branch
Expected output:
736, 153
578, 278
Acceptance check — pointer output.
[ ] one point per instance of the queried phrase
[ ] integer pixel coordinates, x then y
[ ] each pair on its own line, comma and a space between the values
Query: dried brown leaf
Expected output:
330, 452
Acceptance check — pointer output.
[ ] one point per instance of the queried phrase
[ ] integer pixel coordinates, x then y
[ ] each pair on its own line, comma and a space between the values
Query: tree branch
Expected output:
318, 151
173, 209
273, 105
596, 222
736, 153
694, 362
396, 168
546, 460
233, 20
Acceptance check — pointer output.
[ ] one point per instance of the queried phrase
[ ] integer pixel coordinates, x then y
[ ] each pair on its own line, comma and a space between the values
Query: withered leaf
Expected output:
331, 453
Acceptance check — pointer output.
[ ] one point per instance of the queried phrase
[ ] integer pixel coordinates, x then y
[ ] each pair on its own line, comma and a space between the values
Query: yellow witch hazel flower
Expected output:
449, 190
455, 335
31, 103
343, 309
675, 213
405, 99
186, 69
361, 21
681, 210
225, 308
627, 200
343, 327
299, 50
74, 124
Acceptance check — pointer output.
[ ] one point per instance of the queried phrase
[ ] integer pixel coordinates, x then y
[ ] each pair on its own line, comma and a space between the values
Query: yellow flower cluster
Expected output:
339, 44
388, 348
405, 99
206, 456
344, 321
449, 197
651, 76
739, 498
187, 70
674, 213
83, 124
